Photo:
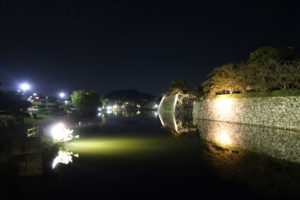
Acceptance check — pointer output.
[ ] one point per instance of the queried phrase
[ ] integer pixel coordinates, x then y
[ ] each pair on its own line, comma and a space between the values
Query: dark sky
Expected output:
108, 45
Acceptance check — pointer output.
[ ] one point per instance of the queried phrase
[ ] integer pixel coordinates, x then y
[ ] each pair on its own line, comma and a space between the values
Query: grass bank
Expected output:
275, 93
40, 119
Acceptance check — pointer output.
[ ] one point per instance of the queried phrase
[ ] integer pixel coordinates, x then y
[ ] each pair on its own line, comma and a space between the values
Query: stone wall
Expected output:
166, 110
278, 143
175, 112
278, 112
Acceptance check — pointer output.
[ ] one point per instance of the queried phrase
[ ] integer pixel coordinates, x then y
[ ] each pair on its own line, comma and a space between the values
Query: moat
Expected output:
134, 155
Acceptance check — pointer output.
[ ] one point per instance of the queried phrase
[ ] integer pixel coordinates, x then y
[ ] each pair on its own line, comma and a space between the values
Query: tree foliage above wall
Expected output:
267, 69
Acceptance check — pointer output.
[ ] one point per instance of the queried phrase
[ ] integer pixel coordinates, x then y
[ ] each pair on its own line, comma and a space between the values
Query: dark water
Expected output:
134, 157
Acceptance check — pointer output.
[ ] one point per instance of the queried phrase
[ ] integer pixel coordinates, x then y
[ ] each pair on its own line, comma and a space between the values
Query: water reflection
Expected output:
117, 146
278, 143
176, 126
64, 156
265, 177
265, 160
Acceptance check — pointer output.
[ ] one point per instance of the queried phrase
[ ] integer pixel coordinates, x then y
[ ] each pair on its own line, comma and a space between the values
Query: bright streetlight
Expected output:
62, 95
24, 87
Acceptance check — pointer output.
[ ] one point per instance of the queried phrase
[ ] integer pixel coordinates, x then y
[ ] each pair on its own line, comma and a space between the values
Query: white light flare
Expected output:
61, 133
115, 107
62, 95
64, 157
25, 87
108, 108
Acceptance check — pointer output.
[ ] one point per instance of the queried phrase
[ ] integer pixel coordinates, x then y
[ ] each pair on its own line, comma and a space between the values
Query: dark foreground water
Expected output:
134, 157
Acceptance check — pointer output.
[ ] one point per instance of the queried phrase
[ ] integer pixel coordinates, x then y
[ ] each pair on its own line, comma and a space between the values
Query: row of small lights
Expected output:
109, 109
26, 86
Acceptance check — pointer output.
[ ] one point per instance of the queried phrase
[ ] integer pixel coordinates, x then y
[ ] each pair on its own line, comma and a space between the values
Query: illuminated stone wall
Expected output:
175, 112
166, 111
278, 143
279, 112
167, 104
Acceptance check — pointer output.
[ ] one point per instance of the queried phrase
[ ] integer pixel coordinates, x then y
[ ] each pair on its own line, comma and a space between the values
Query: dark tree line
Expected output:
12, 102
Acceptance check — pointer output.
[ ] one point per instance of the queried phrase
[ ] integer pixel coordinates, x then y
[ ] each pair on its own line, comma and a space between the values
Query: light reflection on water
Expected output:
99, 145
118, 146
64, 156
105, 158
278, 143
246, 154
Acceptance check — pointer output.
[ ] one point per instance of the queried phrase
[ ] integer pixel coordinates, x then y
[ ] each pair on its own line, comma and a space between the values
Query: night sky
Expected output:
110, 45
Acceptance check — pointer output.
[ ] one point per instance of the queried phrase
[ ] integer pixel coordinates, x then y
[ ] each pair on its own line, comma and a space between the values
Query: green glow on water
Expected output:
117, 145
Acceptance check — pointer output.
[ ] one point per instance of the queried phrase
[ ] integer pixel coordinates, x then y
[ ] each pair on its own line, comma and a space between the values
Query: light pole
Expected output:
62, 96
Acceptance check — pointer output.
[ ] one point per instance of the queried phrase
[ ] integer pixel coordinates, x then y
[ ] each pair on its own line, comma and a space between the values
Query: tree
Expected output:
179, 85
272, 74
286, 75
266, 53
48, 106
86, 102
198, 91
267, 69
13, 102
225, 79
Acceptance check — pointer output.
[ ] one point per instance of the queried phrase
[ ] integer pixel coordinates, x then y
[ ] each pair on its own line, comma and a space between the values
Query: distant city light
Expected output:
34, 94
24, 86
66, 102
99, 109
156, 106
62, 95
115, 107
108, 108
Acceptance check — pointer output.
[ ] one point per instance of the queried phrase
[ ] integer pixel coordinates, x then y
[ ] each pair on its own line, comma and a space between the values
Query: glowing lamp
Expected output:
25, 86
62, 95
61, 133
